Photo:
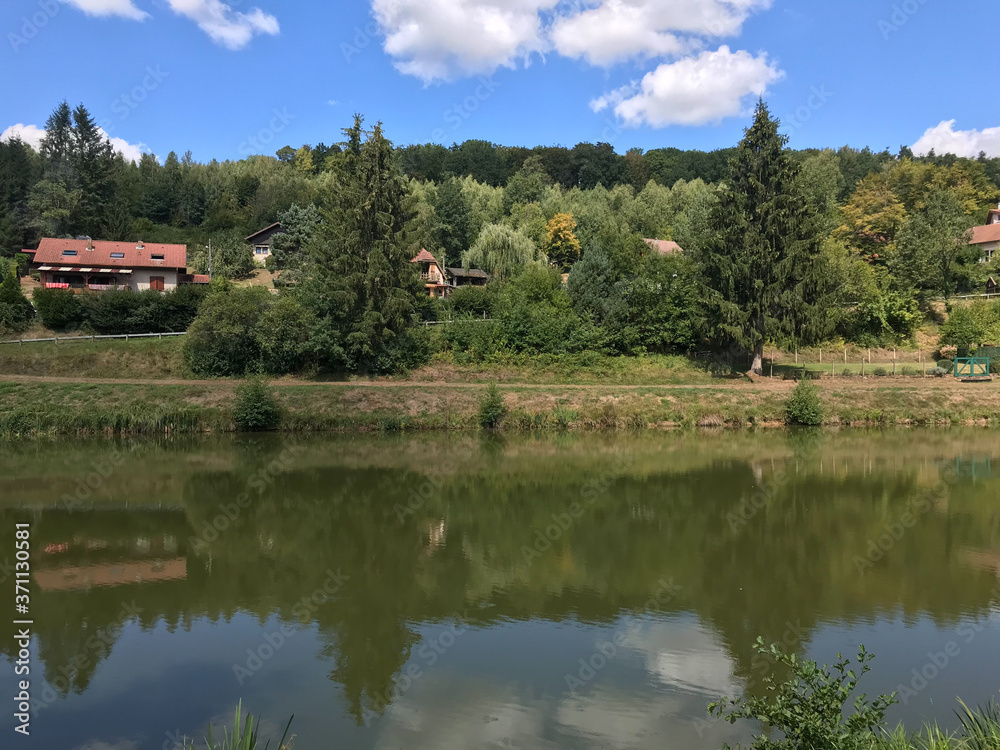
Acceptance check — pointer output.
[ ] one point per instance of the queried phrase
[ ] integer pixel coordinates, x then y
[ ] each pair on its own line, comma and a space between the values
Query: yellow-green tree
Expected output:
561, 244
872, 217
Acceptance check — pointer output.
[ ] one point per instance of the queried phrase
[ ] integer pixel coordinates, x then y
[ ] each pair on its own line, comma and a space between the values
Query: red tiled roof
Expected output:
195, 278
988, 233
50, 251
424, 257
664, 247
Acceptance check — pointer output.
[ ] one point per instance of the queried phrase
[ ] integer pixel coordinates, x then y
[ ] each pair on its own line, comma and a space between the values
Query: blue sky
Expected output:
249, 76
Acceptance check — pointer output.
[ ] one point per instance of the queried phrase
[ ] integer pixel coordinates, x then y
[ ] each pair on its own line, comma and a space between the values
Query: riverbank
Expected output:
40, 406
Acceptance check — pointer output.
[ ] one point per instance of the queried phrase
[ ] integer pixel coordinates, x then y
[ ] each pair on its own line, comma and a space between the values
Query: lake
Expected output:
457, 591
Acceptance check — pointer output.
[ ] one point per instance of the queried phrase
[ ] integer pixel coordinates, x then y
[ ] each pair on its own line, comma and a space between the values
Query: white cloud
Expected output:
619, 30
32, 135
122, 8
944, 139
693, 91
230, 28
443, 39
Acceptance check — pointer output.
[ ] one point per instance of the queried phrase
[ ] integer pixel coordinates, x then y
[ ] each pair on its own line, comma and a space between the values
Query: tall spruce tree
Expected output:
93, 161
763, 269
361, 282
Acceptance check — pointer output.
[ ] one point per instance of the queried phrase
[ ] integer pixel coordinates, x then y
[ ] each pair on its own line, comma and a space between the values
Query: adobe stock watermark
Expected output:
818, 97
900, 16
100, 640
260, 141
893, 532
363, 37
605, 651
259, 481
760, 498
428, 654
461, 111
31, 25
124, 105
87, 485
562, 522
791, 639
303, 611
938, 661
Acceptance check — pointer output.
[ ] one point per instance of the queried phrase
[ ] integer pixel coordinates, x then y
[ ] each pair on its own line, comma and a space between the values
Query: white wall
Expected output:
138, 280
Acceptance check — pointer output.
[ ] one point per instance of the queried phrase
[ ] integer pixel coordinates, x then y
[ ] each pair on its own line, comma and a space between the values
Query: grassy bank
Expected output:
202, 406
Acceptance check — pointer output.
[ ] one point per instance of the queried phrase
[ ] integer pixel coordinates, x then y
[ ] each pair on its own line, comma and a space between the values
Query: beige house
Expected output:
94, 265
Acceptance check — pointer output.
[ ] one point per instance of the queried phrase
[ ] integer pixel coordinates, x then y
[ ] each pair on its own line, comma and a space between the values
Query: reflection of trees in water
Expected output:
790, 565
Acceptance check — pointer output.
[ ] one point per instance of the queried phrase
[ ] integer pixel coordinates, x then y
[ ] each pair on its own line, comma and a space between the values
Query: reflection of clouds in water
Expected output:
684, 656
449, 712
682, 668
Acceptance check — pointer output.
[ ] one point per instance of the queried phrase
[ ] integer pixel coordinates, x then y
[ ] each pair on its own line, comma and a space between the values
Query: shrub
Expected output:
938, 372
15, 310
223, 338
847, 372
256, 408
59, 309
804, 406
910, 372
492, 408
815, 707
880, 372
947, 365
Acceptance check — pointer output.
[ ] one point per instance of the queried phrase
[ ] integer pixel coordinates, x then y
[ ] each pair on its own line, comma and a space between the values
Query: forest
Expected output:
779, 246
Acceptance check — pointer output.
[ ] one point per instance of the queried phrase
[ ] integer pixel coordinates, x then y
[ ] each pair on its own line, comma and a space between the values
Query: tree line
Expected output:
782, 246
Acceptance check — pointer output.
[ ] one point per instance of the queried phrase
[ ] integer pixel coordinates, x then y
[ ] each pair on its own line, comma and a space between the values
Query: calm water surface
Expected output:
456, 592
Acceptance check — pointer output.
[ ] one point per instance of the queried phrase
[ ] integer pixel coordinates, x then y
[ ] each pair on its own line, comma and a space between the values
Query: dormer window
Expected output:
156, 257
69, 252
117, 255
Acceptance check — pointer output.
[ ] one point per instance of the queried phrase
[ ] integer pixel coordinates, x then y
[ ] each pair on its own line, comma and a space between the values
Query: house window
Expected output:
117, 255
262, 249
156, 257
69, 252
156, 283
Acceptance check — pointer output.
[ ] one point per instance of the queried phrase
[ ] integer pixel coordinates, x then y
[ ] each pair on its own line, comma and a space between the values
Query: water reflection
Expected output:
436, 592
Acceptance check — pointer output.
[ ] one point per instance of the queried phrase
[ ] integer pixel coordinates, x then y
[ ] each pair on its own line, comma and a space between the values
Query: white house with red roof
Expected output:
85, 264
987, 237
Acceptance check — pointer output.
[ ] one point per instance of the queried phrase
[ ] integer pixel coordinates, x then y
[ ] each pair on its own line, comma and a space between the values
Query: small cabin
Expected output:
261, 242
991, 285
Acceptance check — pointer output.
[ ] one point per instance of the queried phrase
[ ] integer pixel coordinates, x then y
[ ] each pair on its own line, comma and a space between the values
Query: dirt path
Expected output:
764, 384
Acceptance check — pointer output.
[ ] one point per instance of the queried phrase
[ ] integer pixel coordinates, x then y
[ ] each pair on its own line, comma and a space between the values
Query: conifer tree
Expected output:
763, 269
361, 282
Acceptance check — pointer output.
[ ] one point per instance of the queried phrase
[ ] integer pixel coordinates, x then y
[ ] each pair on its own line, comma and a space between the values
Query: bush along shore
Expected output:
56, 408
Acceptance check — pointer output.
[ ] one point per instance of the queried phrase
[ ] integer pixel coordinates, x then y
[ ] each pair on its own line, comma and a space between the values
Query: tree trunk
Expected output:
757, 368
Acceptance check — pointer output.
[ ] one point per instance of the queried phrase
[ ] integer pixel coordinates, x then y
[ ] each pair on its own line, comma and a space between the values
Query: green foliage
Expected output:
971, 325
360, 283
501, 251
16, 311
939, 372
256, 406
804, 406
58, 309
880, 372
812, 708
492, 408
947, 365
933, 253
222, 340
764, 275
245, 735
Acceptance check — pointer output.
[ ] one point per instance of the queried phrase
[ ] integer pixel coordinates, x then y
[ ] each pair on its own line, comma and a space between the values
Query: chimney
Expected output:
139, 246
90, 244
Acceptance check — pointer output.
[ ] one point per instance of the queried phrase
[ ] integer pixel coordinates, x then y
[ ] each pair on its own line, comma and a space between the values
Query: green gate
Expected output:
970, 368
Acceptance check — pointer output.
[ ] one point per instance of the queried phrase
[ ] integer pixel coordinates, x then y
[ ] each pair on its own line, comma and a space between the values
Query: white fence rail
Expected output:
125, 336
